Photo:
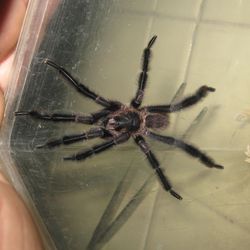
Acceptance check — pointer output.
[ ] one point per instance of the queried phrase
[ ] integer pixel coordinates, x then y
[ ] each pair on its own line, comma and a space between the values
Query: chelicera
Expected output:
117, 123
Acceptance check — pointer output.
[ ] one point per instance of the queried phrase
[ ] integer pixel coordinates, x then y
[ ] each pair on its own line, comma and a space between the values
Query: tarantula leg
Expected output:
62, 117
137, 100
69, 139
81, 87
189, 149
98, 148
156, 166
187, 102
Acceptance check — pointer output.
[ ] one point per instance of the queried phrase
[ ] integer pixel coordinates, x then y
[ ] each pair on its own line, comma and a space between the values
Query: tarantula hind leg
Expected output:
189, 149
185, 103
156, 166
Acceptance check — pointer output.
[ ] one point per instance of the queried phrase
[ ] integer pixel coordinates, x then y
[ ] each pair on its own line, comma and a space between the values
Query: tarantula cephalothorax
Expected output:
117, 122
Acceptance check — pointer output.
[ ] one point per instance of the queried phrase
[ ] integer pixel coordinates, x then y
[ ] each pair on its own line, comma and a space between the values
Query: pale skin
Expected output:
17, 228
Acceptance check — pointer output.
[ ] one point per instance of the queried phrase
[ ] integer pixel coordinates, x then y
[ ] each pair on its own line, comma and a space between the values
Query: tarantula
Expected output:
117, 122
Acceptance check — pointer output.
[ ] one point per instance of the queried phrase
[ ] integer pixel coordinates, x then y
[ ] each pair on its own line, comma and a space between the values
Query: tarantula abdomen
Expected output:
157, 121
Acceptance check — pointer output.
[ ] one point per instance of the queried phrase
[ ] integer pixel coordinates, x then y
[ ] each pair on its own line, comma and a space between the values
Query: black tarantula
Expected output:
117, 122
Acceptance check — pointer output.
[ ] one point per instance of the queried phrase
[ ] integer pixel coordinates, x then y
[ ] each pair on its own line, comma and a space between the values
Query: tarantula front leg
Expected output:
189, 149
99, 148
69, 139
187, 102
62, 117
137, 100
155, 165
82, 88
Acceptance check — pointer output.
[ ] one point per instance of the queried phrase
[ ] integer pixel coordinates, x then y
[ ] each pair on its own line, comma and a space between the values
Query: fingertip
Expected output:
2, 106
16, 221
11, 18
3, 179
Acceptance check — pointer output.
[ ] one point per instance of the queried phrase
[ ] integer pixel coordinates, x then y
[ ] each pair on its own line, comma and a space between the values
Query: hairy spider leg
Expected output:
99, 148
62, 117
82, 88
155, 165
188, 101
69, 139
189, 149
137, 100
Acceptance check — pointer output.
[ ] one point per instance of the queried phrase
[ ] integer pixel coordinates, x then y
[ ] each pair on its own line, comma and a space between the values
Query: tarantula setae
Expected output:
117, 122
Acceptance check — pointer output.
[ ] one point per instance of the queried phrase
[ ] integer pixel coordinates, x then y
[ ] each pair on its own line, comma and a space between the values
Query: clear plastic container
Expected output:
113, 200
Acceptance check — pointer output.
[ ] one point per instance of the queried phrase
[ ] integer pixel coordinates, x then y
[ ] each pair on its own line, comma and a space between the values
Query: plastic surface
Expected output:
113, 200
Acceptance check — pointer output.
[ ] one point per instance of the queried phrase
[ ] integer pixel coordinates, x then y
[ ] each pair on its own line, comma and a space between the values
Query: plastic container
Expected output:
113, 200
